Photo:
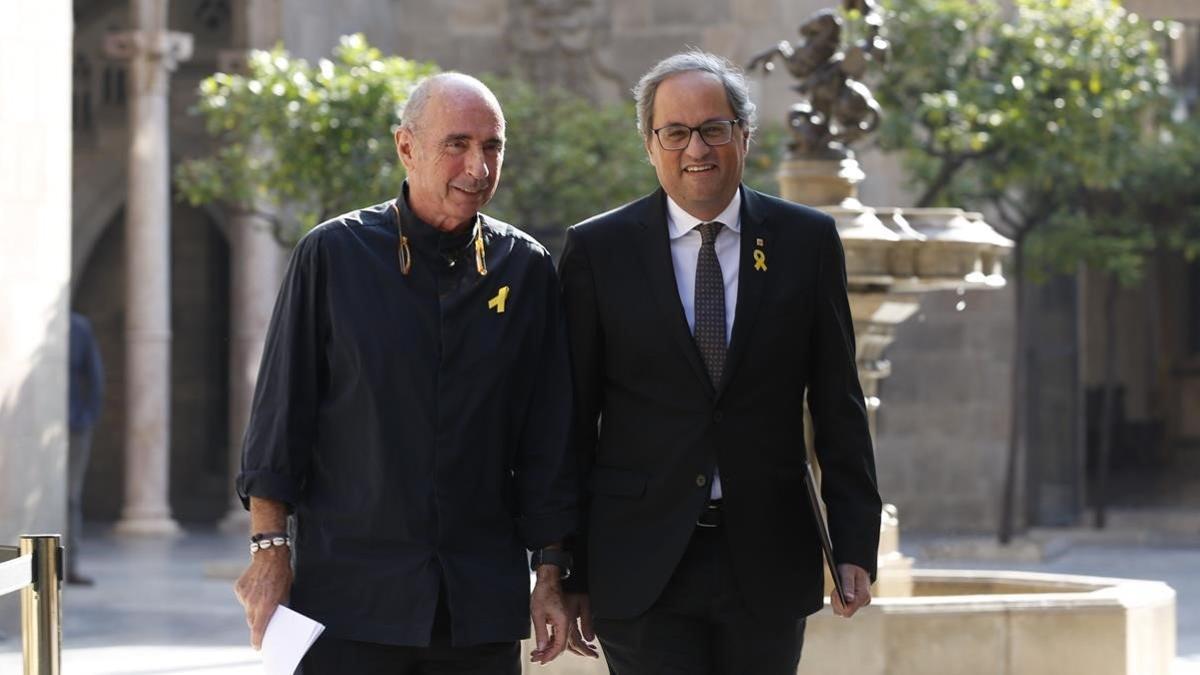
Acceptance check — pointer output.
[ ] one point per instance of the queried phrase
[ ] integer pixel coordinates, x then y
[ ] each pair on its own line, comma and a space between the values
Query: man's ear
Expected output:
405, 147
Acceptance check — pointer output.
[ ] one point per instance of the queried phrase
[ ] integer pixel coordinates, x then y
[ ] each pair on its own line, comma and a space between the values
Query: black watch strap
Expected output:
552, 556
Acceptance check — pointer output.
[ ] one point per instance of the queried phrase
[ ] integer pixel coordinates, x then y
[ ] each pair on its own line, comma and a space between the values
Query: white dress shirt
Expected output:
685, 248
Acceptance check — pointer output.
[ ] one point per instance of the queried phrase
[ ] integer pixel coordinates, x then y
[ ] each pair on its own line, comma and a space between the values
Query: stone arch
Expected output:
200, 297
95, 210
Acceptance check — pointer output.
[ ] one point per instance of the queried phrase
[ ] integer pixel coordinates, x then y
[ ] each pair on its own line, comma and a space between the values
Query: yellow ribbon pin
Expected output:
497, 303
760, 260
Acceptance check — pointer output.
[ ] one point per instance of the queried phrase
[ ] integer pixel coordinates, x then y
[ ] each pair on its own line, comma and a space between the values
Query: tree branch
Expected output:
938, 184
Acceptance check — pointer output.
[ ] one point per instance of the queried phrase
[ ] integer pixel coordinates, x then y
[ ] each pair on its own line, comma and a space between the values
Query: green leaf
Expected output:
1055, 115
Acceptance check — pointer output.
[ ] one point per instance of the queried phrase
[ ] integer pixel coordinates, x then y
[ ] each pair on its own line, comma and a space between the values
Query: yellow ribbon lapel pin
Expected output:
760, 258
497, 303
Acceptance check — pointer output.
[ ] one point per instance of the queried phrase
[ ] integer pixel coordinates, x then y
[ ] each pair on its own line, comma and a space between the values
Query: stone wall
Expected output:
35, 245
1165, 9
943, 422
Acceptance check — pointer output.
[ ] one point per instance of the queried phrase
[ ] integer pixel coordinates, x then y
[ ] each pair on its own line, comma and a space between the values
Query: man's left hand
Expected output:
546, 609
857, 585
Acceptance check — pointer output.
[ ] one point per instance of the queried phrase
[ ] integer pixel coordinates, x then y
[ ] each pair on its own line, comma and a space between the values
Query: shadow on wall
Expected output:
33, 428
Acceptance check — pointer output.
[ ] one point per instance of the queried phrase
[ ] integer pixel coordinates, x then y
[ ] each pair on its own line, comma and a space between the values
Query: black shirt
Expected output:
417, 426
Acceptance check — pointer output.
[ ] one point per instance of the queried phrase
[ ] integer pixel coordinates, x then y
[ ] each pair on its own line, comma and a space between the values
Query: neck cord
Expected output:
405, 254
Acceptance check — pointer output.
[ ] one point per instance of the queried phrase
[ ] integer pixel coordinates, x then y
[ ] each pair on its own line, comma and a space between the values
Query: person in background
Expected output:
86, 395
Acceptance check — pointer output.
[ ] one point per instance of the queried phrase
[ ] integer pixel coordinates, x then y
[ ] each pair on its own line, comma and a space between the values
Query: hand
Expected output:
857, 585
580, 634
546, 607
262, 587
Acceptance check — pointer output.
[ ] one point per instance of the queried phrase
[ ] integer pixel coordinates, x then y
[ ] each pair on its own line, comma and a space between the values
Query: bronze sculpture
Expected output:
836, 108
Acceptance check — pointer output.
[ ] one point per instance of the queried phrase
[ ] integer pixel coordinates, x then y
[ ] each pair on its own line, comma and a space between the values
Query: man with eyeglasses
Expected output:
699, 318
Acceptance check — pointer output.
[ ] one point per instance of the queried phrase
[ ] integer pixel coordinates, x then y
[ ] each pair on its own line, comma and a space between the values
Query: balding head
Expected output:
448, 84
451, 141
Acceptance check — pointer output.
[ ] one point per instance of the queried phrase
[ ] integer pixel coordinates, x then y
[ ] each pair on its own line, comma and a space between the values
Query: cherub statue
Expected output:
835, 109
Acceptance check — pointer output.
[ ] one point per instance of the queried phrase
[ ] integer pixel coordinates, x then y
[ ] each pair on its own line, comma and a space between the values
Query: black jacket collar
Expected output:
426, 237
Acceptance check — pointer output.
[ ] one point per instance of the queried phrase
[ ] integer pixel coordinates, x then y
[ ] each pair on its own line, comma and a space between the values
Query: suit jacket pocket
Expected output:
607, 480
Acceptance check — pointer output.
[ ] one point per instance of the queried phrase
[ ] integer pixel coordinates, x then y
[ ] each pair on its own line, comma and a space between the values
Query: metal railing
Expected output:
35, 568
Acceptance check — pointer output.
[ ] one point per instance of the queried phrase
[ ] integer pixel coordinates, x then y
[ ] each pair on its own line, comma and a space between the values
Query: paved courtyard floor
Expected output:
166, 607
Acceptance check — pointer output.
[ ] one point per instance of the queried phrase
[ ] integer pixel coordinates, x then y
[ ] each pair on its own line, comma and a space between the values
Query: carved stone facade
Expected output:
564, 43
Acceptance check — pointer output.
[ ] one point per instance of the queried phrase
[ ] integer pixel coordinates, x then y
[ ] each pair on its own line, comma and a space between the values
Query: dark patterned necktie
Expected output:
709, 304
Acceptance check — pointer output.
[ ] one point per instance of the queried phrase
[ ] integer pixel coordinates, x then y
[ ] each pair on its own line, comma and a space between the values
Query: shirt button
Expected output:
701, 480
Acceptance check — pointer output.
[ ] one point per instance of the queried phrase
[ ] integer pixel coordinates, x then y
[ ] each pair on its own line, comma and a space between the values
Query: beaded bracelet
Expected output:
265, 540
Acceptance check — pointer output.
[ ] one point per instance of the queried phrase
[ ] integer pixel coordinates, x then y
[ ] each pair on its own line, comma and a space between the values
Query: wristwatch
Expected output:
551, 556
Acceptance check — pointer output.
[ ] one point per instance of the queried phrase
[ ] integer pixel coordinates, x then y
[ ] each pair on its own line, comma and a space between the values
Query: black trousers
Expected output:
701, 625
334, 656
331, 656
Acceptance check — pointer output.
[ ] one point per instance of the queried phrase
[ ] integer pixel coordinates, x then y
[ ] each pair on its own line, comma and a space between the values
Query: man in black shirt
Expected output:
411, 412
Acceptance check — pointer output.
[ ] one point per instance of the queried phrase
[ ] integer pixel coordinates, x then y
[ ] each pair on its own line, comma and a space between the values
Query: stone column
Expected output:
152, 52
255, 274
820, 182
876, 317
256, 264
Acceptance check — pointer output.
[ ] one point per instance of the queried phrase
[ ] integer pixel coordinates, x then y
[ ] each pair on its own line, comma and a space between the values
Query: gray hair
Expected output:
736, 89
418, 99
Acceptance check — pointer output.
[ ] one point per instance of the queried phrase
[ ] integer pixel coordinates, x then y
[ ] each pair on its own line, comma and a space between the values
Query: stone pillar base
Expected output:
819, 182
147, 526
895, 577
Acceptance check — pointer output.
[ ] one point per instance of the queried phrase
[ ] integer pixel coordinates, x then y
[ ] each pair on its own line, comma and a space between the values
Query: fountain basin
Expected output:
973, 622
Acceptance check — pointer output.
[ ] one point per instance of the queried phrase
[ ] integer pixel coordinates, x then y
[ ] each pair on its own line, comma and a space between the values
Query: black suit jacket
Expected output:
649, 424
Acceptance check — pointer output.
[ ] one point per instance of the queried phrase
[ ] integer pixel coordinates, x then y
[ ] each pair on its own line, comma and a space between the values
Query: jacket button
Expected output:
718, 416
701, 480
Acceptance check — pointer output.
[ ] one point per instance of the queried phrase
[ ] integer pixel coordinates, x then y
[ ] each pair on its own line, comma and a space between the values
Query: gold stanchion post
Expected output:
41, 605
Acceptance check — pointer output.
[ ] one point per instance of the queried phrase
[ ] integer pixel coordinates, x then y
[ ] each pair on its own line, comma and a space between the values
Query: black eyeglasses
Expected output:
713, 133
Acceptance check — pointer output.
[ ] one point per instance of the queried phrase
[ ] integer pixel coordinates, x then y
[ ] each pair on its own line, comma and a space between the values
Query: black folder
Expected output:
810, 483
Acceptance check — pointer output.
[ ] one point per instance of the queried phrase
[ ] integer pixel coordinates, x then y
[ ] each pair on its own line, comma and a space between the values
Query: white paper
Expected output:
289, 635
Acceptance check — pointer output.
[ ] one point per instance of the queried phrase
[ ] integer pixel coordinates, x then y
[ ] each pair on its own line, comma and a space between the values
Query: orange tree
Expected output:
299, 140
